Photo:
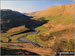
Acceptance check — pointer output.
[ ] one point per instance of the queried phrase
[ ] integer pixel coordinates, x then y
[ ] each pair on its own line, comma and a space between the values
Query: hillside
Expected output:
55, 11
60, 26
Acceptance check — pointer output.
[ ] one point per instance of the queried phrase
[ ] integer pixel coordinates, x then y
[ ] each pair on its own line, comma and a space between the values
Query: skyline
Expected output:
31, 6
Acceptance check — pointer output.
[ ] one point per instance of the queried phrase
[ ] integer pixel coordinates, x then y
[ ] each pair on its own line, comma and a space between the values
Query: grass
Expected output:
68, 21
70, 45
37, 40
42, 42
4, 39
64, 19
31, 37
60, 32
42, 28
13, 38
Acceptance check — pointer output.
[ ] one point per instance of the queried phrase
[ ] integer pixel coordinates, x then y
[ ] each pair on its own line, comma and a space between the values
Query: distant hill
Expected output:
55, 11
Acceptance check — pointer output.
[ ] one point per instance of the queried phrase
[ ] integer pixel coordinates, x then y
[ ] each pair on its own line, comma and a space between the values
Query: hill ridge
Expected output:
55, 11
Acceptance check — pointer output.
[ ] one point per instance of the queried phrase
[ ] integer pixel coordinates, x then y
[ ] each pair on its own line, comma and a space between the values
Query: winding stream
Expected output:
28, 41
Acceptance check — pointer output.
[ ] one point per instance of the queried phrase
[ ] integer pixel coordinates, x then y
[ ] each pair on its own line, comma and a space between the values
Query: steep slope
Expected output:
55, 11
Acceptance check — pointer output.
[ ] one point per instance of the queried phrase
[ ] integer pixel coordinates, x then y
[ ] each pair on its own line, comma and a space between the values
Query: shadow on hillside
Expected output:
35, 23
7, 51
28, 23
11, 19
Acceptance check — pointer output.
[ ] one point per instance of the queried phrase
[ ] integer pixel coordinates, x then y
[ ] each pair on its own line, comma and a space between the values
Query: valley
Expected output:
38, 33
